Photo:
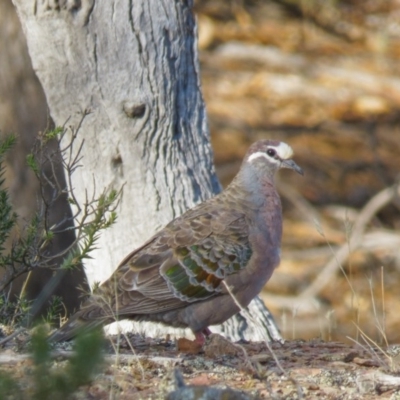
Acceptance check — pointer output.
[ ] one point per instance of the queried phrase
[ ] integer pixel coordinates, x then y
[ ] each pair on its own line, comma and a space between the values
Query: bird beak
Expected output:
292, 165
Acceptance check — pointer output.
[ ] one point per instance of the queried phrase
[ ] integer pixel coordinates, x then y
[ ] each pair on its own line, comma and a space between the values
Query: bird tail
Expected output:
89, 317
74, 326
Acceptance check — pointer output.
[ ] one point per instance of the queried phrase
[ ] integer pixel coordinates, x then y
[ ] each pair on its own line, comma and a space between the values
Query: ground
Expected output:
294, 369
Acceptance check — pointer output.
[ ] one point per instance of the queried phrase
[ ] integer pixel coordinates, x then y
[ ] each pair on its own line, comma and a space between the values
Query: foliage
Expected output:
28, 242
7, 216
24, 247
51, 380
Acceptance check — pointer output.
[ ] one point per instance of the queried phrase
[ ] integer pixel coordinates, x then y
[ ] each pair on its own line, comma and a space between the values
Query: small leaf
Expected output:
53, 133
32, 164
6, 144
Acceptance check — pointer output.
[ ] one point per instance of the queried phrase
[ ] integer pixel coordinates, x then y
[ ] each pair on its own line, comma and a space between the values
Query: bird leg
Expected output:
207, 331
200, 336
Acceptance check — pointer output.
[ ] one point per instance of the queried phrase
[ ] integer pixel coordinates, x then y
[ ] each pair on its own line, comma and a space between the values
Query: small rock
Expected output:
192, 392
188, 346
218, 346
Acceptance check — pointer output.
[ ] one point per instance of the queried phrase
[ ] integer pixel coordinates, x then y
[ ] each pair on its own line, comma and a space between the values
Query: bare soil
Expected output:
295, 369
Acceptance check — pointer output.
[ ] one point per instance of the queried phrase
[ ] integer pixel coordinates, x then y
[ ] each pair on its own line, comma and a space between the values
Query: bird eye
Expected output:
271, 152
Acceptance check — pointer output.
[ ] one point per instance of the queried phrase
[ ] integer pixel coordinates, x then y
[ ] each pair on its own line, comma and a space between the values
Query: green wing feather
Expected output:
186, 261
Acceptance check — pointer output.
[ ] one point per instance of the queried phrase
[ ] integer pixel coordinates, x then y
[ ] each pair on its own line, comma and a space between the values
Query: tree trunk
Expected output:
134, 66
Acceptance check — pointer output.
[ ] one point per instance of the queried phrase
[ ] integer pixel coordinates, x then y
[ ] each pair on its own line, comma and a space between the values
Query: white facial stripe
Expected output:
283, 151
259, 154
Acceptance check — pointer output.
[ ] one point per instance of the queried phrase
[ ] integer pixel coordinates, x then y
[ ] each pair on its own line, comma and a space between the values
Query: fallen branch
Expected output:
379, 201
306, 300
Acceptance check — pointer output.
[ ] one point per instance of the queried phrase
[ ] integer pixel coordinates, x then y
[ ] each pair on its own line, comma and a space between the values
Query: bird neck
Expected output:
256, 193
255, 186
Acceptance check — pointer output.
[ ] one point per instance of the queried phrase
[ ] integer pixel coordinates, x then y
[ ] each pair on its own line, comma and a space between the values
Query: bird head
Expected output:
271, 155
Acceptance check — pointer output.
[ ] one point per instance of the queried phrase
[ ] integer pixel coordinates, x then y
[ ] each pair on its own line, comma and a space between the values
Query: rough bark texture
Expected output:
134, 66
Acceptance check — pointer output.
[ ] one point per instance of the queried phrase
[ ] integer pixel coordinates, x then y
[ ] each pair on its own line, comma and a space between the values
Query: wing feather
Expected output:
184, 262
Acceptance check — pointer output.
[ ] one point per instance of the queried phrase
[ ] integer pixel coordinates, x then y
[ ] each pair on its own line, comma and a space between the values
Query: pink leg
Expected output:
207, 331
200, 339
200, 336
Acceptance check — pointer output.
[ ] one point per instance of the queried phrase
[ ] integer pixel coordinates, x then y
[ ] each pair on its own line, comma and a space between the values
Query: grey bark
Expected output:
134, 66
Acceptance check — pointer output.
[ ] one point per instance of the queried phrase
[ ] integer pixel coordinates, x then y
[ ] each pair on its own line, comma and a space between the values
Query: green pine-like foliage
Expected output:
23, 248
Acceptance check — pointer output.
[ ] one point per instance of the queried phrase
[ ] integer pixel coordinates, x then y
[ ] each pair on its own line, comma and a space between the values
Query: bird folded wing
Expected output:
185, 262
